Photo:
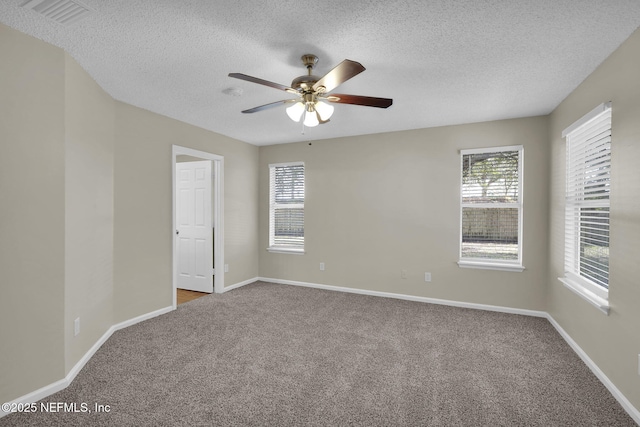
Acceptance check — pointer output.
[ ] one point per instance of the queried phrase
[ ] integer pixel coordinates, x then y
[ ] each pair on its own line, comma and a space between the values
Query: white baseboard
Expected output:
55, 387
451, 303
622, 400
239, 284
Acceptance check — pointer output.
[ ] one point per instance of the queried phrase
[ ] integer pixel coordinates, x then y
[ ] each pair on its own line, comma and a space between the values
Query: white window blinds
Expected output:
286, 213
588, 171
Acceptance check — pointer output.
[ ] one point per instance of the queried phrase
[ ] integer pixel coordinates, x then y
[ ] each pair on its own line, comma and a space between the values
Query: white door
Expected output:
194, 234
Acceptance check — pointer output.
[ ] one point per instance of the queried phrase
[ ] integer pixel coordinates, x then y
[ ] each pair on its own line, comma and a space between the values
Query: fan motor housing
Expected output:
304, 83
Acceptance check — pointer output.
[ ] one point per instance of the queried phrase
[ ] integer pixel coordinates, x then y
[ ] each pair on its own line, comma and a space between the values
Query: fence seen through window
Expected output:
491, 204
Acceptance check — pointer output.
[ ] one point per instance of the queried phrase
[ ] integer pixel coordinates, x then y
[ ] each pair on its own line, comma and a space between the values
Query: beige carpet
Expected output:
277, 355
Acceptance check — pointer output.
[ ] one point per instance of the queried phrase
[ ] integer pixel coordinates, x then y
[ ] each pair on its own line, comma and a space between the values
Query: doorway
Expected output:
198, 243
194, 224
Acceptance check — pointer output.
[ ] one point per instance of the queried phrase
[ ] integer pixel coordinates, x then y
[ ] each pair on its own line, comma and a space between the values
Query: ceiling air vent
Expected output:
64, 12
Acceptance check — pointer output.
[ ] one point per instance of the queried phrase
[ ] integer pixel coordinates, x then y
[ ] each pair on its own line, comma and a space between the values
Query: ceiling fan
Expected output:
312, 92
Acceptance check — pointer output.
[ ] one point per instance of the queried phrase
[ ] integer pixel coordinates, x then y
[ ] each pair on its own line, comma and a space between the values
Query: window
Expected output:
286, 207
491, 208
588, 167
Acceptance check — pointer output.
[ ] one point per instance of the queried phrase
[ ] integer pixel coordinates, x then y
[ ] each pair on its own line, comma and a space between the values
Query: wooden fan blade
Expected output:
367, 101
270, 105
262, 82
340, 74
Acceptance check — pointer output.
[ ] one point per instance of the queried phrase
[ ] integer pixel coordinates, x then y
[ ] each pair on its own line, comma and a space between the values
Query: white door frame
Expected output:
218, 214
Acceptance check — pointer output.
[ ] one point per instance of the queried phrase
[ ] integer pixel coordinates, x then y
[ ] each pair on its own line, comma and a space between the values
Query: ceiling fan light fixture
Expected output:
313, 93
311, 118
295, 111
324, 110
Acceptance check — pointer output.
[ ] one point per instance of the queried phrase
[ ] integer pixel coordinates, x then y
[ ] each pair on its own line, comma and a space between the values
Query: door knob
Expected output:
177, 232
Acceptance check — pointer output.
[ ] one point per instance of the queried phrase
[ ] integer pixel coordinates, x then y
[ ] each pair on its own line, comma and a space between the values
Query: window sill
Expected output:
285, 250
597, 301
491, 266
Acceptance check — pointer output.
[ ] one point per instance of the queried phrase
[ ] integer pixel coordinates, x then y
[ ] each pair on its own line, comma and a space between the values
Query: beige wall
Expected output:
32, 208
89, 130
85, 217
612, 342
378, 204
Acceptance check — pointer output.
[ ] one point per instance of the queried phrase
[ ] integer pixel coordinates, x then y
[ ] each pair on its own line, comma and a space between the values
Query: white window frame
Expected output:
299, 250
593, 293
487, 264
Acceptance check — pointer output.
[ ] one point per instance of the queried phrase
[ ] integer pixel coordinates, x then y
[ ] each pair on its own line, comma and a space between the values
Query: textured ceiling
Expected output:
442, 62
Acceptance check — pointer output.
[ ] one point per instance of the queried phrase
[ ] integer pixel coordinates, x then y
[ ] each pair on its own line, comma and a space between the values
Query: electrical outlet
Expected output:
76, 327
322, 266
403, 274
226, 268
427, 277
